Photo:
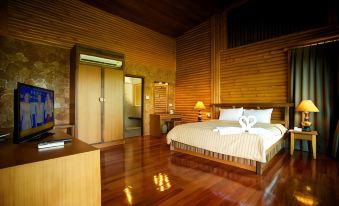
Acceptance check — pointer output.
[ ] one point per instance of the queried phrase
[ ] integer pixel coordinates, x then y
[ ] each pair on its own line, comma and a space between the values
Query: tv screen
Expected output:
34, 112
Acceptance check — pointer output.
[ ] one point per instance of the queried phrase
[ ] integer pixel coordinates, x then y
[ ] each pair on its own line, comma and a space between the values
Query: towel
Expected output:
247, 122
229, 130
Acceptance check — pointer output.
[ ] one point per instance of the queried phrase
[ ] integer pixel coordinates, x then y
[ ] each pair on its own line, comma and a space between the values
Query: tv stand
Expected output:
41, 136
68, 175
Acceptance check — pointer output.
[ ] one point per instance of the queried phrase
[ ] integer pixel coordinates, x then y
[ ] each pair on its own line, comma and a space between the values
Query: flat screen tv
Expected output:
33, 112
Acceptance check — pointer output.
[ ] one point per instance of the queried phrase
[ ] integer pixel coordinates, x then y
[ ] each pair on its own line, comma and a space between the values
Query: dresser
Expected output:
66, 175
157, 120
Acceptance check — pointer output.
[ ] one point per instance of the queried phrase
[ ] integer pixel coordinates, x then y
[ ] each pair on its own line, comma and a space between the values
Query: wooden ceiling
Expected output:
169, 17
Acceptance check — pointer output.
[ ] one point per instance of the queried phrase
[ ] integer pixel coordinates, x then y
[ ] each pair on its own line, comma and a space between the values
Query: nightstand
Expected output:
310, 136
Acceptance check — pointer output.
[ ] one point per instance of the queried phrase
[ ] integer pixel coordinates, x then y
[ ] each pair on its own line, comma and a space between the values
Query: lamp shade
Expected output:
307, 106
199, 105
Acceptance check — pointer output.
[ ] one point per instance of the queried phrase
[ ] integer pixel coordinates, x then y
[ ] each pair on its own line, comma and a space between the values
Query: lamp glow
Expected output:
306, 106
199, 106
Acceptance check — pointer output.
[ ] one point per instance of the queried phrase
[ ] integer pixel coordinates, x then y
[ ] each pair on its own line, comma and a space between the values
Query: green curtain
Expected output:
314, 76
335, 145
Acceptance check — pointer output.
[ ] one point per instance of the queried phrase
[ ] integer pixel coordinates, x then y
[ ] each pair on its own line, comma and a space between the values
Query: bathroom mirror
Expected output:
160, 97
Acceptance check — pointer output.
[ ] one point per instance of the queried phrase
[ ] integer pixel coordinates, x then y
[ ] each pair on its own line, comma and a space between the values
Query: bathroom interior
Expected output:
133, 107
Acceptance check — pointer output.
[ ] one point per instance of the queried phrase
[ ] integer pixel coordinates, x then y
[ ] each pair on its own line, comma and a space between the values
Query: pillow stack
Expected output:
262, 115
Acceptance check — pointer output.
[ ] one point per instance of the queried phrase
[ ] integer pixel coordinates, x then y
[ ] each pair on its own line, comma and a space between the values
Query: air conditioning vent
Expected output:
100, 60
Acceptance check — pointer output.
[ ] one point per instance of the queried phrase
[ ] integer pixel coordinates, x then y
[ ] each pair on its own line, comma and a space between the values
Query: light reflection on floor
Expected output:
128, 193
162, 182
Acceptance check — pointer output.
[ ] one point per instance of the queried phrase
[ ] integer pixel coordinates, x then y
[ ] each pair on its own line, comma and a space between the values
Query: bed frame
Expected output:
278, 116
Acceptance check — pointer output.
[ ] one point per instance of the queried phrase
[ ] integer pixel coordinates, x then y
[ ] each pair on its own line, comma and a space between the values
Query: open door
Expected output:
133, 106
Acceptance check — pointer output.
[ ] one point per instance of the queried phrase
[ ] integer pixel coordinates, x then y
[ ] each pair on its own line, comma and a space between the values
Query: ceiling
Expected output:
169, 17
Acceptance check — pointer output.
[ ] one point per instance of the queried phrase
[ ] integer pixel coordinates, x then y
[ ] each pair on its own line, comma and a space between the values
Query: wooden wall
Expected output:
65, 22
259, 72
193, 74
256, 72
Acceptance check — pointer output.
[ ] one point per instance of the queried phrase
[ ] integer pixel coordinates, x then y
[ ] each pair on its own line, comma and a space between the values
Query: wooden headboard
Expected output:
281, 111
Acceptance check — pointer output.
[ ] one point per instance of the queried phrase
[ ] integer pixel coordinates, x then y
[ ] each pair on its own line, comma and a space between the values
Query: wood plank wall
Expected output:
63, 23
193, 74
258, 72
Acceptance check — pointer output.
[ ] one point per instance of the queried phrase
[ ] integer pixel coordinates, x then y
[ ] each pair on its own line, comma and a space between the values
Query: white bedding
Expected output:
244, 145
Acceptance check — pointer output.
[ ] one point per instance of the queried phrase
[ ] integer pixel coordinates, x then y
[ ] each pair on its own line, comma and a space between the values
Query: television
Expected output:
33, 112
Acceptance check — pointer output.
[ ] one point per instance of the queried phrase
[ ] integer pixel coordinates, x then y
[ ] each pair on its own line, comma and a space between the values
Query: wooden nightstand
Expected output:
310, 136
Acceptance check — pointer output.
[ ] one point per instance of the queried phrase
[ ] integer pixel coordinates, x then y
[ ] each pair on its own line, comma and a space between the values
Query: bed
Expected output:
247, 151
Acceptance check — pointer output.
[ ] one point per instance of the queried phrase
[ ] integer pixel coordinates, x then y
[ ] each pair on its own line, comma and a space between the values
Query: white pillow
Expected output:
231, 114
262, 115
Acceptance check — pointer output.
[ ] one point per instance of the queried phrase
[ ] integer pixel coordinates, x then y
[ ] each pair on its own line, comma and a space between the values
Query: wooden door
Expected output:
89, 106
113, 105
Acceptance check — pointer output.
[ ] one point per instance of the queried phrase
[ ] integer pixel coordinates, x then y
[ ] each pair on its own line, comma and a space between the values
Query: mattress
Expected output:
245, 145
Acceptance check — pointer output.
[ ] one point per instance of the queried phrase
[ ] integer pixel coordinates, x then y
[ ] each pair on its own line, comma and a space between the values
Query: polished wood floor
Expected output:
144, 171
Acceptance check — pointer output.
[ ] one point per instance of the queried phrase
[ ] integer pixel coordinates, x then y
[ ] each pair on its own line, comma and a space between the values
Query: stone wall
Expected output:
39, 65
152, 74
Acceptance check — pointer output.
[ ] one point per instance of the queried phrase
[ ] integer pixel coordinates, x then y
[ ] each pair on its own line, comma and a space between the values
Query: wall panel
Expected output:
65, 22
259, 72
193, 74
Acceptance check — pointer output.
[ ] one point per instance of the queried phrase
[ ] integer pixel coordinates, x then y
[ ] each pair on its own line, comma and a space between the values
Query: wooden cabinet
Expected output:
113, 105
67, 128
68, 175
157, 120
99, 104
89, 106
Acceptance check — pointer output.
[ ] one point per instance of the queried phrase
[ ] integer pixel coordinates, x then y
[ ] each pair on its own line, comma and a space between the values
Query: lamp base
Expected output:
199, 116
306, 129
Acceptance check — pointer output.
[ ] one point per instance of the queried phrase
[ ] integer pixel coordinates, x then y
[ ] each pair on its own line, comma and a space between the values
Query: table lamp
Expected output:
306, 106
199, 106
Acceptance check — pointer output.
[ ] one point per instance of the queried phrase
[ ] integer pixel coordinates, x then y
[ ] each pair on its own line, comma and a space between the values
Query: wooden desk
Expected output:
157, 120
68, 175
310, 136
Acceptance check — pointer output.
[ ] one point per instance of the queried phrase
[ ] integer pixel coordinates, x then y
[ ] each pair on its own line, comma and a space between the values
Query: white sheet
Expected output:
244, 145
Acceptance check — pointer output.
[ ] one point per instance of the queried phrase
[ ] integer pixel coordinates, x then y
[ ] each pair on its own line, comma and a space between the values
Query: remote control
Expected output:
42, 145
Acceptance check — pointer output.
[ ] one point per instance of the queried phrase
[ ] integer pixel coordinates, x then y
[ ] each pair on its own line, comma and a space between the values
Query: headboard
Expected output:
281, 111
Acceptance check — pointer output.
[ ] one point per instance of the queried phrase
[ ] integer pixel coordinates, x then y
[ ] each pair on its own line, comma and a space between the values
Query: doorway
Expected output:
133, 106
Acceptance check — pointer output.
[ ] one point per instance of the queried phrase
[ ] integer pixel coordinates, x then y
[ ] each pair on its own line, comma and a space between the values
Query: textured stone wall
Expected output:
152, 74
34, 64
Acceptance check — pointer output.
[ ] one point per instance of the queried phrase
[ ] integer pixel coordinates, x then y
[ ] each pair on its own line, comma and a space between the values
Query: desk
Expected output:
68, 175
157, 120
310, 136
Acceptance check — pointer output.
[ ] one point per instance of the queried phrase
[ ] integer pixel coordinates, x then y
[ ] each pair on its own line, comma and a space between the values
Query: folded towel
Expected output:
238, 130
229, 130
247, 122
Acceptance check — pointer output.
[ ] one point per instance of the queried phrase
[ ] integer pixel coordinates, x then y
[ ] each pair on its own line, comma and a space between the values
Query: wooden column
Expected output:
3, 17
218, 42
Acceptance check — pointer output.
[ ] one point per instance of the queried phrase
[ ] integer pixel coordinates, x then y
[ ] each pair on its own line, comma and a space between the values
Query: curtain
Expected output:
314, 76
335, 145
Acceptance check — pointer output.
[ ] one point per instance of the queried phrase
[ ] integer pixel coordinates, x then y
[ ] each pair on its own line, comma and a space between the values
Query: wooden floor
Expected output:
144, 171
